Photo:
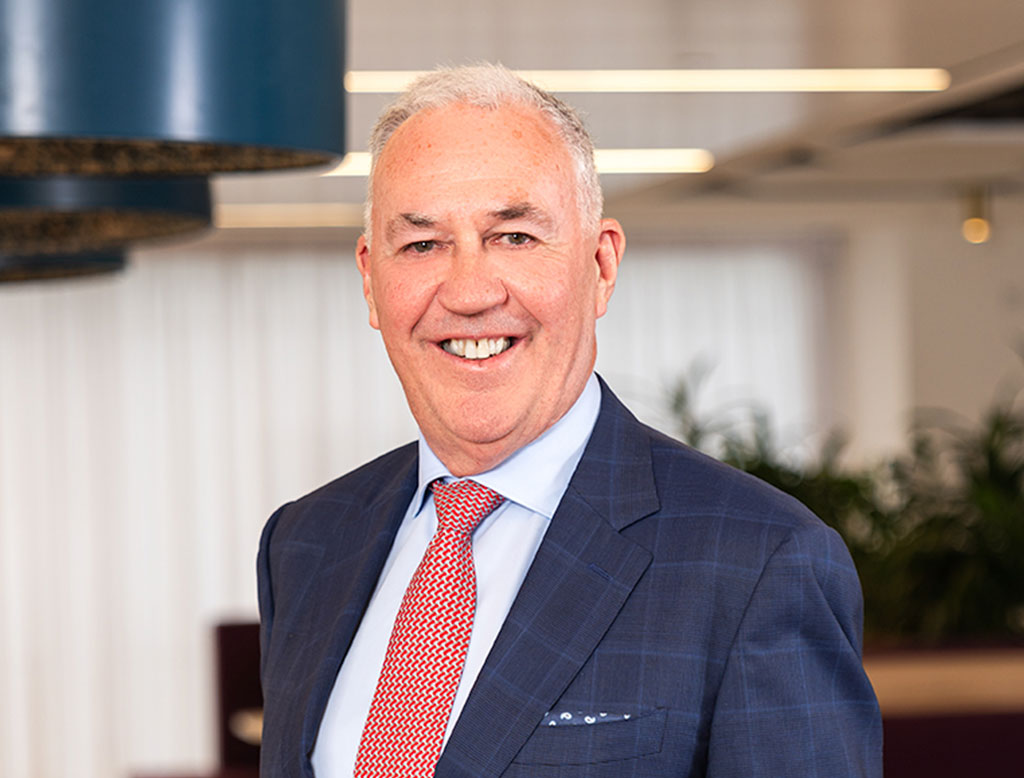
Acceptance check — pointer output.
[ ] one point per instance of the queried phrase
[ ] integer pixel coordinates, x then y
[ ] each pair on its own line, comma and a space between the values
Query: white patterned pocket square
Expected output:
566, 718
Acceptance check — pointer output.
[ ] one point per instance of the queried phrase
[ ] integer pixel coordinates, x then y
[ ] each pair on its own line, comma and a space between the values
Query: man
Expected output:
637, 608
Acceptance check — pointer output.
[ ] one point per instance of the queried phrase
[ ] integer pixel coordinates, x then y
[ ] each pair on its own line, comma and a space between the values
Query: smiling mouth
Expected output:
483, 348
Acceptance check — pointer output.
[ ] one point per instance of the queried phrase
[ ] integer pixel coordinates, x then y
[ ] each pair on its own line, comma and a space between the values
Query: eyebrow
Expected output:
409, 220
510, 212
521, 210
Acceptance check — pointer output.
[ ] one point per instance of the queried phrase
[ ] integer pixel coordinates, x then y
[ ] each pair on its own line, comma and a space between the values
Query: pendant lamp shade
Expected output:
42, 267
72, 214
169, 87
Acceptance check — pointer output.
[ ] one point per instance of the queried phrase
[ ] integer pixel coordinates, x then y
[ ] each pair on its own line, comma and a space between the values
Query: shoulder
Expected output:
709, 510
368, 480
716, 515
688, 483
722, 530
693, 483
381, 480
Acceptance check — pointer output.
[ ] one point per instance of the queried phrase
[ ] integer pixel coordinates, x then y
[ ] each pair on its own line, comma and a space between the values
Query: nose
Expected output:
472, 283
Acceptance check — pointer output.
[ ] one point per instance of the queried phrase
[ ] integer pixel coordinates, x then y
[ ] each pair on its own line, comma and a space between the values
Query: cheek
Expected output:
564, 305
400, 300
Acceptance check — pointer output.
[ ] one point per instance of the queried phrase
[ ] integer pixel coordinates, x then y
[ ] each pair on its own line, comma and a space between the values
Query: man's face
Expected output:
482, 278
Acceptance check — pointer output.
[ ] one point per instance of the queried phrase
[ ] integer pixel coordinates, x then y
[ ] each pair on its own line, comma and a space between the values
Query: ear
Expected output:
363, 263
611, 244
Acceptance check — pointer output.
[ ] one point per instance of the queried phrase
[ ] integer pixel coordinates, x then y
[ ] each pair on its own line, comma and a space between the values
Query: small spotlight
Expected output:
977, 227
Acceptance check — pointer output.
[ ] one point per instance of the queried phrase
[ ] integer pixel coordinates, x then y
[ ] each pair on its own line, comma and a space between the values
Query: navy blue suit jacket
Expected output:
719, 614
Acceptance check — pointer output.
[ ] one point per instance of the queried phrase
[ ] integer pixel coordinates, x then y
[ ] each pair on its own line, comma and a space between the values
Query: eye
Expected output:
421, 246
516, 238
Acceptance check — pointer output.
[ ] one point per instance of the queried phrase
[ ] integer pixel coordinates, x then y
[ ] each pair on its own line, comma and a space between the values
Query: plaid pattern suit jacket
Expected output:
714, 621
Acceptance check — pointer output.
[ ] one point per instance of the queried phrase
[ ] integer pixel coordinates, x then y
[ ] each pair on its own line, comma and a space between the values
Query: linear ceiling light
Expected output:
708, 80
653, 160
357, 163
235, 216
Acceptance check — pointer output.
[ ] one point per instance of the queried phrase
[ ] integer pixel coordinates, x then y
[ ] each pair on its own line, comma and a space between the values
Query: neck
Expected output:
468, 460
467, 457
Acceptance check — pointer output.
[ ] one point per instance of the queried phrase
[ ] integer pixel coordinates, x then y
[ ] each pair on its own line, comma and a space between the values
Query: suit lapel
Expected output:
351, 579
583, 572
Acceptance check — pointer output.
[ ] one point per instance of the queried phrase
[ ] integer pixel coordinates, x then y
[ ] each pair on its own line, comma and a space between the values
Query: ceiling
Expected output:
767, 146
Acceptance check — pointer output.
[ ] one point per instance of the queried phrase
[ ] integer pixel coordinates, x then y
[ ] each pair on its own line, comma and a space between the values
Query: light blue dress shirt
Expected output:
532, 481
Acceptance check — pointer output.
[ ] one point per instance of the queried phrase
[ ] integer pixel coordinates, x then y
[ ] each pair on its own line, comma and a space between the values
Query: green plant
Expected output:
958, 555
937, 534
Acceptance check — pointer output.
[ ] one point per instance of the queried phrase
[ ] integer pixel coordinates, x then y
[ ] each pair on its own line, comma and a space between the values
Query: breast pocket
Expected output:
638, 736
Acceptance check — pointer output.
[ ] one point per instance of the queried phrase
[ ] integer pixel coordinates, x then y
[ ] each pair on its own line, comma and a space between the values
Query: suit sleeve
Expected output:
265, 588
794, 699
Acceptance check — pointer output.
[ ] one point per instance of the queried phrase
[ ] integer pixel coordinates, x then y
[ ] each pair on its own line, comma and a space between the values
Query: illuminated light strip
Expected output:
705, 80
653, 160
357, 163
307, 215
234, 216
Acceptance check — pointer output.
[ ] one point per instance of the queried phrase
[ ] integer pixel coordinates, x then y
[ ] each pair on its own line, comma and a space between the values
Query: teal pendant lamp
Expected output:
67, 214
44, 267
113, 112
59, 226
180, 87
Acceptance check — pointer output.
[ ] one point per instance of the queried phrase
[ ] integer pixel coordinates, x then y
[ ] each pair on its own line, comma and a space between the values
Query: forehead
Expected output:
470, 154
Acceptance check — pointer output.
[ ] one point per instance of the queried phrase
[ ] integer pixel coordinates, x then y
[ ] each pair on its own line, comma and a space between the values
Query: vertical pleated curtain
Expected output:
149, 423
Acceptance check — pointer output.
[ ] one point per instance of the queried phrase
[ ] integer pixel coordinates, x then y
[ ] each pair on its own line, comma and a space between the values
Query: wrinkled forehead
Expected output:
459, 142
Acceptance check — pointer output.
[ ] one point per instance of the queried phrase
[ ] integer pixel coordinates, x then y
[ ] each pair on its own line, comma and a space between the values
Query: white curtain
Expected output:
749, 314
150, 423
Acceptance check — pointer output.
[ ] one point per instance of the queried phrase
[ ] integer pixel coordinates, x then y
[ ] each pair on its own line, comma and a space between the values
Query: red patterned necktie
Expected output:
409, 714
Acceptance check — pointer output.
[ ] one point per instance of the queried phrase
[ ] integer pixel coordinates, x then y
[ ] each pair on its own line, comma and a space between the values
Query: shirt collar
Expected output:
537, 475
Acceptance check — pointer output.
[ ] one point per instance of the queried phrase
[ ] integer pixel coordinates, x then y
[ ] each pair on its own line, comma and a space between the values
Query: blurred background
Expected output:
818, 277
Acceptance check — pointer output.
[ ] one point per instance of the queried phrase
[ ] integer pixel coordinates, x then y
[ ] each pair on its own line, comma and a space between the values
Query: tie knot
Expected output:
462, 505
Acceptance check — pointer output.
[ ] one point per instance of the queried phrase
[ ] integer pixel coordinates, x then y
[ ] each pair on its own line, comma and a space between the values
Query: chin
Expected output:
480, 431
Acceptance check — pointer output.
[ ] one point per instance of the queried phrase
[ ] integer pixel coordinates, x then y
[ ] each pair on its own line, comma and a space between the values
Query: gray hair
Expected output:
490, 86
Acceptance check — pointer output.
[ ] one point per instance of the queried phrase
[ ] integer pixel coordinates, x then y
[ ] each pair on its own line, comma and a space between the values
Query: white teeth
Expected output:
476, 349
